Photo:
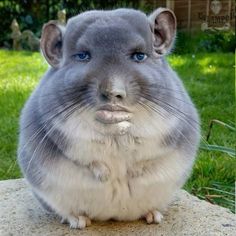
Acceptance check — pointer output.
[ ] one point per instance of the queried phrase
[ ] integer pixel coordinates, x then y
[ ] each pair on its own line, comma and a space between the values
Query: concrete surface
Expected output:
21, 214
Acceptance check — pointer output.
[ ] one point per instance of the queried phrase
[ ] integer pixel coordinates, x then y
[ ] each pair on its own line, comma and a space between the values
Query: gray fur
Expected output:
73, 87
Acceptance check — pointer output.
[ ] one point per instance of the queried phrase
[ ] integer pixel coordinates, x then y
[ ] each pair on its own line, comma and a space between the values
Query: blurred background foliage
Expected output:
32, 14
198, 41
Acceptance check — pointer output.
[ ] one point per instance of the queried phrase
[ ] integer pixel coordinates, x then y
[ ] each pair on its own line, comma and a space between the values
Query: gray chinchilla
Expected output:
109, 132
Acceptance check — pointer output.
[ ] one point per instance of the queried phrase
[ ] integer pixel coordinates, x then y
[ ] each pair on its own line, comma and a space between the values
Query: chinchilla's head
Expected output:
108, 72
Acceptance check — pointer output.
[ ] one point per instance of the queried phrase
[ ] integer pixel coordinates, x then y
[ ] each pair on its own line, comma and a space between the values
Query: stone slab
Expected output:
21, 214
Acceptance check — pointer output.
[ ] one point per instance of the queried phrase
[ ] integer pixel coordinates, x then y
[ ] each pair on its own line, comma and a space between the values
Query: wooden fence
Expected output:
207, 14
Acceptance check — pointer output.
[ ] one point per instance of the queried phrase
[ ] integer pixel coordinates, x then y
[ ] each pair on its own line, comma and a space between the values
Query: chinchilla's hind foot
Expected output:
153, 217
79, 222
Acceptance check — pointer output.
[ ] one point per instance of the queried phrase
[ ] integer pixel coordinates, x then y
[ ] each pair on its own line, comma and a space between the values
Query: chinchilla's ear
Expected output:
163, 26
51, 43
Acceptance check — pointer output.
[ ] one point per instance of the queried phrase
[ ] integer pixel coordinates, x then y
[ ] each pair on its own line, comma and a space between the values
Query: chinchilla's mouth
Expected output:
112, 114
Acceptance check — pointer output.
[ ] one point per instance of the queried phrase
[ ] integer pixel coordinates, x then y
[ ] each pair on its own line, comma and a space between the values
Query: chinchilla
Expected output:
109, 132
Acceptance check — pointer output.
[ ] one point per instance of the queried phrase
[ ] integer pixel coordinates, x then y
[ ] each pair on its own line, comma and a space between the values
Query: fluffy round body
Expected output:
110, 137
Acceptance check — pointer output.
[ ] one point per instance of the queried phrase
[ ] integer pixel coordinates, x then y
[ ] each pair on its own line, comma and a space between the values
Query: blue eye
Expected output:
138, 56
82, 56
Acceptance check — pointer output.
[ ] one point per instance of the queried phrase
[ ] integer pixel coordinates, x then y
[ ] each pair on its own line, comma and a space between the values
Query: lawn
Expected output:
209, 78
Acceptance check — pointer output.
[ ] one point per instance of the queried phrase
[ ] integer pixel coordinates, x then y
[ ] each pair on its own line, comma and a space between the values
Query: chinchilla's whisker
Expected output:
173, 112
39, 146
169, 92
87, 108
149, 107
178, 114
73, 97
79, 108
48, 122
176, 98
158, 101
181, 115
155, 86
42, 143
53, 108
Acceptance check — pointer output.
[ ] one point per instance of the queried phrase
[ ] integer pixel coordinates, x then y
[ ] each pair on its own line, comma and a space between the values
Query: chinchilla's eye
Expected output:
138, 56
82, 56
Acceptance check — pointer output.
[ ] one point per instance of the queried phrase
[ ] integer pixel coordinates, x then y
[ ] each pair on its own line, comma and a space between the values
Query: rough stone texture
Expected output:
21, 214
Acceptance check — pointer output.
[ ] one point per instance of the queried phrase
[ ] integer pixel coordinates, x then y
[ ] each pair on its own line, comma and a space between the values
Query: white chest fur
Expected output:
71, 189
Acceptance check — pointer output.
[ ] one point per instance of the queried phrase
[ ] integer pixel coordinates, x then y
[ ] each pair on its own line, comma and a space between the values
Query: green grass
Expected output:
209, 79
19, 73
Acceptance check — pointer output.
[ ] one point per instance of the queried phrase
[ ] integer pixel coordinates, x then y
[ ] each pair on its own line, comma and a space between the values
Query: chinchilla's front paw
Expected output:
140, 168
100, 171
135, 172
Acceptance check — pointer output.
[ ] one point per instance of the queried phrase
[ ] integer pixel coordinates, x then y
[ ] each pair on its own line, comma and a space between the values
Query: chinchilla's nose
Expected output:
112, 90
